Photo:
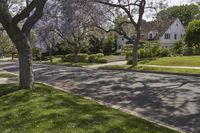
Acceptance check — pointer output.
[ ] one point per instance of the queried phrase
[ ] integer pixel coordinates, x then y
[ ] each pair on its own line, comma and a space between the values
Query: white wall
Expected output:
176, 28
121, 41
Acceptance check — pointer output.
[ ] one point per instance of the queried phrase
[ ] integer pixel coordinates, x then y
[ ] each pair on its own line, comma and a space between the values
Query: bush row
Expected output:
93, 58
145, 53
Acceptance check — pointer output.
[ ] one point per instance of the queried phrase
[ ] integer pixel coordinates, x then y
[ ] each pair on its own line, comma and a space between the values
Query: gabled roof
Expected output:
159, 26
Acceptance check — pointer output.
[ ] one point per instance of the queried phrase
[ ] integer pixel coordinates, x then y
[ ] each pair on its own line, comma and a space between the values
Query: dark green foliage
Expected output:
100, 55
185, 13
109, 44
179, 48
63, 49
149, 50
70, 58
95, 45
84, 58
192, 36
165, 52
36, 53
92, 58
97, 58
101, 60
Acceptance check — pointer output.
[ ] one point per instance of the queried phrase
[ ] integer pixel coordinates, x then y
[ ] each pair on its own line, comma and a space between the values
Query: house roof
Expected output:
159, 26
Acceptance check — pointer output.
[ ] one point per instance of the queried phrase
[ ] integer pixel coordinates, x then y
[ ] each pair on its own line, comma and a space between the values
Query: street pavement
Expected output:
169, 99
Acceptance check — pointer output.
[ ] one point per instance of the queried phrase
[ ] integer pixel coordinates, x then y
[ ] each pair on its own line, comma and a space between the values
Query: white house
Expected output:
167, 32
174, 33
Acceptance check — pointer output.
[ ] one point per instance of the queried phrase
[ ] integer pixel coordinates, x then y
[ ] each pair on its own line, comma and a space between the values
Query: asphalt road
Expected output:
169, 99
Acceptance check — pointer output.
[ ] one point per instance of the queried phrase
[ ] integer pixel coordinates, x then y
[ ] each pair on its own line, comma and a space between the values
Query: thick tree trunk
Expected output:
135, 47
135, 55
26, 78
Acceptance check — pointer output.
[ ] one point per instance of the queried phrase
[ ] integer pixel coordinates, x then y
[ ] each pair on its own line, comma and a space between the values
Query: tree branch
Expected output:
35, 17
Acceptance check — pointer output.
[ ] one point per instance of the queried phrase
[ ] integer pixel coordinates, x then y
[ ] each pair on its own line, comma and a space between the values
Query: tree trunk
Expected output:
50, 55
25, 71
135, 47
135, 55
76, 52
26, 77
75, 56
13, 56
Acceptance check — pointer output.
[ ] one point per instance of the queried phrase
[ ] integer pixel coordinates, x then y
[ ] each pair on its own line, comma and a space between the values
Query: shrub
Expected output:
165, 52
68, 58
143, 53
130, 61
82, 57
97, 58
92, 58
101, 60
128, 54
179, 48
100, 55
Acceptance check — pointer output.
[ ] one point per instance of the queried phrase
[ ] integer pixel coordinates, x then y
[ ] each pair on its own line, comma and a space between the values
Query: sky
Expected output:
177, 2
170, 3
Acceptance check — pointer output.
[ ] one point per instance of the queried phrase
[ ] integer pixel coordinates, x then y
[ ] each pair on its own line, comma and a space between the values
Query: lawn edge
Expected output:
146, 71
117, 108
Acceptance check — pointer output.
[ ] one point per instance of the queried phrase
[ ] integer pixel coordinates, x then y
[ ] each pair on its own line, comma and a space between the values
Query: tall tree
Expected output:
134, 10
192, 37
20, 35
71, 20
185, 13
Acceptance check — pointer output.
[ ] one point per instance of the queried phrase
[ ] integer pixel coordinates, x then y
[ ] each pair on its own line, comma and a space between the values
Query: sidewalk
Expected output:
125, 62
108, 64
183, 67
8, 80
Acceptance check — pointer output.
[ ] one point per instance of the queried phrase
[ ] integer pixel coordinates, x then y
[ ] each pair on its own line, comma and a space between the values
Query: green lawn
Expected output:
154, 69
45, 109
175, 61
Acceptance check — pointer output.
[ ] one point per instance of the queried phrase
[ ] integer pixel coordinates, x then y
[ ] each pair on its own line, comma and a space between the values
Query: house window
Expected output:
167, 36
166, 47
175, 36
150, 36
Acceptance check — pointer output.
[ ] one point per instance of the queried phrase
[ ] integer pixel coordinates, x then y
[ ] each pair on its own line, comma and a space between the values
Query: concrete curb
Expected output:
117, 108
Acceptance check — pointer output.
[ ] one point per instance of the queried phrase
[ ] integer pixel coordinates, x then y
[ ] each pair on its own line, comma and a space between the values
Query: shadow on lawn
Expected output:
48, 110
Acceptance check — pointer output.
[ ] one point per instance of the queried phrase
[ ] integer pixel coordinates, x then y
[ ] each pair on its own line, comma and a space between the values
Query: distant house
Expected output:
167, 32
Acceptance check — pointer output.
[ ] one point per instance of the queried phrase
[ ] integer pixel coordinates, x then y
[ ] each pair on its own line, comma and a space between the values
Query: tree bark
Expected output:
135, 47
135, 55
25, 70
26, 77
50, 55
76, 51
22, 43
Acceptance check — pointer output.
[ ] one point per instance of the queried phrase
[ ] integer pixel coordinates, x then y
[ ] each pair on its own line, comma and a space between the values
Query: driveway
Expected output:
169, 99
